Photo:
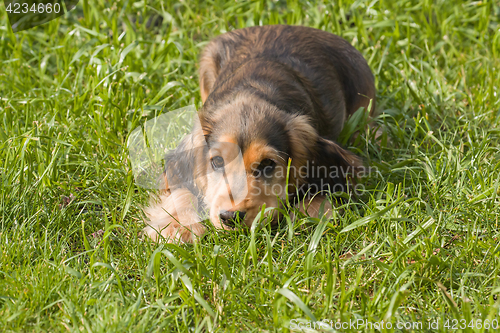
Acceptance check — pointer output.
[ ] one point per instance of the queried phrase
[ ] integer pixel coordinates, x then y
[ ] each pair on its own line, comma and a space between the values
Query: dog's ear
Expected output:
332, 167
318, 163
185, 166
164, 188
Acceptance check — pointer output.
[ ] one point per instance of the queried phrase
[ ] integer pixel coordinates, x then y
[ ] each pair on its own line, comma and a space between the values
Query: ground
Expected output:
420, 245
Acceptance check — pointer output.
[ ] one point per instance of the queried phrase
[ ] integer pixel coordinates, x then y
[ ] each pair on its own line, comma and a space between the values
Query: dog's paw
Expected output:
312, 207
174, 218
175, 232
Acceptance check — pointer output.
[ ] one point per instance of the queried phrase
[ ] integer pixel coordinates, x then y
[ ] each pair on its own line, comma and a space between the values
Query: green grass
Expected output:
421, 244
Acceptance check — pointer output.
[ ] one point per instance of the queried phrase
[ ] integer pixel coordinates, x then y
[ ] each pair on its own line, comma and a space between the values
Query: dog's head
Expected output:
245, 162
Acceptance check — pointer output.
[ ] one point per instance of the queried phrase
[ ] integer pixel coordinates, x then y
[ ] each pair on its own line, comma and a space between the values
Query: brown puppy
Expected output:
271, 95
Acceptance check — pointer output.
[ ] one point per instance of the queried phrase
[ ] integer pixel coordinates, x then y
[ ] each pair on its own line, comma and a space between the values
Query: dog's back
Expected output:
298, 69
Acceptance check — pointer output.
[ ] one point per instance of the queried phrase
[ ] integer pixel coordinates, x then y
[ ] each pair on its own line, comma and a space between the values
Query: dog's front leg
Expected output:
312, 207
175, 217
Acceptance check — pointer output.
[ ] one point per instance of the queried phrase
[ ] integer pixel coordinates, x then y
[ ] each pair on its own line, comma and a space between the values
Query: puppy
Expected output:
275, 99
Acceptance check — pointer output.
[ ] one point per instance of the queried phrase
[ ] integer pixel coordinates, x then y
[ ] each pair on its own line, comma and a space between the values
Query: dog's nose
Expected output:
229, 217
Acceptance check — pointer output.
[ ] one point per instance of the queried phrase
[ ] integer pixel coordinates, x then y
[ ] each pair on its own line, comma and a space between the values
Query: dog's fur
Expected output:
275, 93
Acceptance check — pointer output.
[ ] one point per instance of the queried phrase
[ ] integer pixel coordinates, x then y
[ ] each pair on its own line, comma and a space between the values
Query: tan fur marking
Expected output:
228, 138
256, 152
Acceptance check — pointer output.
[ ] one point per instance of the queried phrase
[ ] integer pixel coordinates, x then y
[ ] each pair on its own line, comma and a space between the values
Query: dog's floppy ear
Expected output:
185, 166
319, 164
332, 167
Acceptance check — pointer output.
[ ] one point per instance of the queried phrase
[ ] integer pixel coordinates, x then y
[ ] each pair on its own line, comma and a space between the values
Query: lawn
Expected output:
419, 245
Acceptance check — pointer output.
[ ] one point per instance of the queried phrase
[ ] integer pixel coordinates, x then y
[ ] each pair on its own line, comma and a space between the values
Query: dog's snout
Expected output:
229, 217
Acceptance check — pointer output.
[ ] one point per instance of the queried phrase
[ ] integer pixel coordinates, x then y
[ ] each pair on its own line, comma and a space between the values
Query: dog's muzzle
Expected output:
229, 218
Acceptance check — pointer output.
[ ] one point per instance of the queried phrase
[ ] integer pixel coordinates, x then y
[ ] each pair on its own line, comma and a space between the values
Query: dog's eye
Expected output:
217, 162
265, 168
267, 163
